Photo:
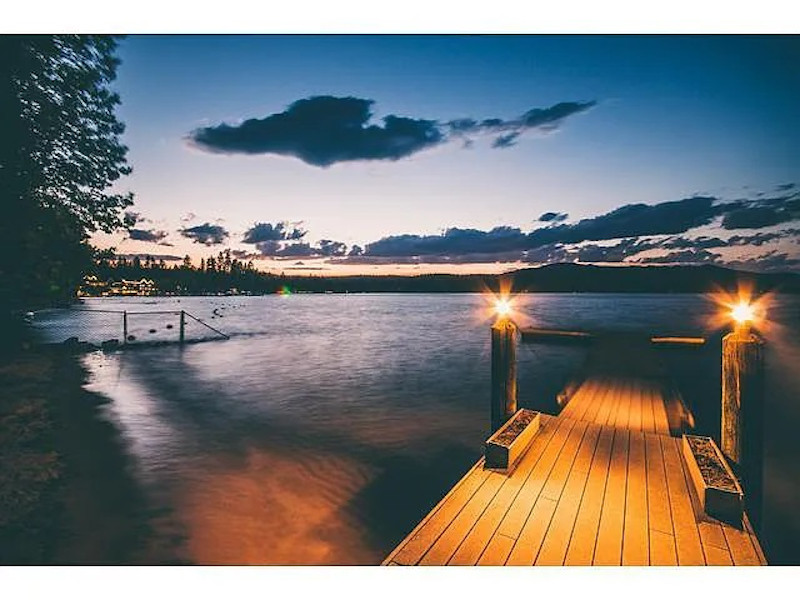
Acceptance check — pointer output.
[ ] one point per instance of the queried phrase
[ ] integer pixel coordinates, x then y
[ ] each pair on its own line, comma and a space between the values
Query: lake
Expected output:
328, 425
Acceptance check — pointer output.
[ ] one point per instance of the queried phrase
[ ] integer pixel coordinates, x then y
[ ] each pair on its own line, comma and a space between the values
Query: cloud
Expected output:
325, 130
770, 261
619, 252
282, 250
552, 217
691, 256
245, 254
763, 212
332, 248
266, 232
632, 220
207, 234
147, 235
189, 216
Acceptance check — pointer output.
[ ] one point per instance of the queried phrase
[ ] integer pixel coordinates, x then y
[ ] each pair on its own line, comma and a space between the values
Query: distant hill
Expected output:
652, 279
188, 280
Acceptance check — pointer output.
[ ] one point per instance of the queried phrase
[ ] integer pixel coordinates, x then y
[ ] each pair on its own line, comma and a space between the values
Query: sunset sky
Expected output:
409, 154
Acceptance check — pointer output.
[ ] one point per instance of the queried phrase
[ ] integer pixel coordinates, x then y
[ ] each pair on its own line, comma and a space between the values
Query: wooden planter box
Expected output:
717, 488
509, 442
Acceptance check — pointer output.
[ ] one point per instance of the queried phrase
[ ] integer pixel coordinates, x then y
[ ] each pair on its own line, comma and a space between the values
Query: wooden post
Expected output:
504, 372
124, 326
743, 413
183, 326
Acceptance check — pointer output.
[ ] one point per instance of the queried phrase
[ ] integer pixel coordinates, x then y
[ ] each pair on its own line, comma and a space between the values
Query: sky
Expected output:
415, 154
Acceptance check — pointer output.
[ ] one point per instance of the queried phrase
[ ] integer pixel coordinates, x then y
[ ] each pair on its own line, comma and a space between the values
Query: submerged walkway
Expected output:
603, 483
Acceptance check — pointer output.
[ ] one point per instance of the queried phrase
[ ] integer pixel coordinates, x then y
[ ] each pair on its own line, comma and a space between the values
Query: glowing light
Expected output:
502, 306
743, 313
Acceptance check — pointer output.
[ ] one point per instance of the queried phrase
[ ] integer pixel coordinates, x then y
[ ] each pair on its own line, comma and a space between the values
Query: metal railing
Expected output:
122, 327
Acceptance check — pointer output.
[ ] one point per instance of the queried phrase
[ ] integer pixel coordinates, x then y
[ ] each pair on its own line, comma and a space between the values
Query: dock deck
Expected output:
603, 483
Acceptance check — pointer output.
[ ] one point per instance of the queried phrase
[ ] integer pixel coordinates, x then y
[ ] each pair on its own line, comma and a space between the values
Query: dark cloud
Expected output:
324, 130
453, 241
785, 187
632, 220
245, 254
147, 235
691, 256
267, 232
614, 253
282, 250
332, 248
207, 234
629, 221
770, 261
552, 217
702, 241
760, 213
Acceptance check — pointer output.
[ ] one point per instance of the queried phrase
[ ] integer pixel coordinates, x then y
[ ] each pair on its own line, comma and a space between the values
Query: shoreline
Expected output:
67, 491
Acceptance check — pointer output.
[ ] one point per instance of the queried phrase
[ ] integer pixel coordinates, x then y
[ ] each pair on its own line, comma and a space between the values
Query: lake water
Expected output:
327, 425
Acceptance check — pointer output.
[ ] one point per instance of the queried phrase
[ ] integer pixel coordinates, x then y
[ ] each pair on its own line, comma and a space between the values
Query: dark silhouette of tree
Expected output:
60, 153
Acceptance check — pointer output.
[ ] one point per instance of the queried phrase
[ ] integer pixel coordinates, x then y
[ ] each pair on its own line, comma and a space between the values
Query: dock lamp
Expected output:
504, 364
502, 308
743, 315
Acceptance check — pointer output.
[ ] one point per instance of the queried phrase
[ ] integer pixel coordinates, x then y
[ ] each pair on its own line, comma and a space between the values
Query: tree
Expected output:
60, 153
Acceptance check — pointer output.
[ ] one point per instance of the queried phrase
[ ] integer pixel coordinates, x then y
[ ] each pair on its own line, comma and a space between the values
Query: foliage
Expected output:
60, 153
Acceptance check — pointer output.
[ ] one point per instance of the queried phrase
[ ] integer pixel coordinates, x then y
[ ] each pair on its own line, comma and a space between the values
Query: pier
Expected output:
603, 482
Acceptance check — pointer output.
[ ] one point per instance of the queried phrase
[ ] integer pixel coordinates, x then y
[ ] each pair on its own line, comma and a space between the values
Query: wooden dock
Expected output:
603, 483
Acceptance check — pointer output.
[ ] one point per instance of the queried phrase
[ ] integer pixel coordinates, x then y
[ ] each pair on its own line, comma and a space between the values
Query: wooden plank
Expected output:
616, 397
717, 556
575, 402
754, 540
517, 514
623, 413
558, 476
687, 537
530, 538
658, 509
662, 549
608, 550
584, 535
478, 538
660, 413
635, 541
581, 401
635, 409
648, 409
604, 408
741, 546
556, 541
497, 551
445, 546
430, 528
600, 402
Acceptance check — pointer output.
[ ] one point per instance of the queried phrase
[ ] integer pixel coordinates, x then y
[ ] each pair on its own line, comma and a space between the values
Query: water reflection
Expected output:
329, 425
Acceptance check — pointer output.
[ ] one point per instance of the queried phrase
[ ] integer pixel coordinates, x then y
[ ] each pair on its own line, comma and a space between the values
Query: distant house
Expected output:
92, 286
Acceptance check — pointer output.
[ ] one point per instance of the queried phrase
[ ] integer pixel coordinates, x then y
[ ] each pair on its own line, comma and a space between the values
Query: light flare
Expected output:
743, 308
